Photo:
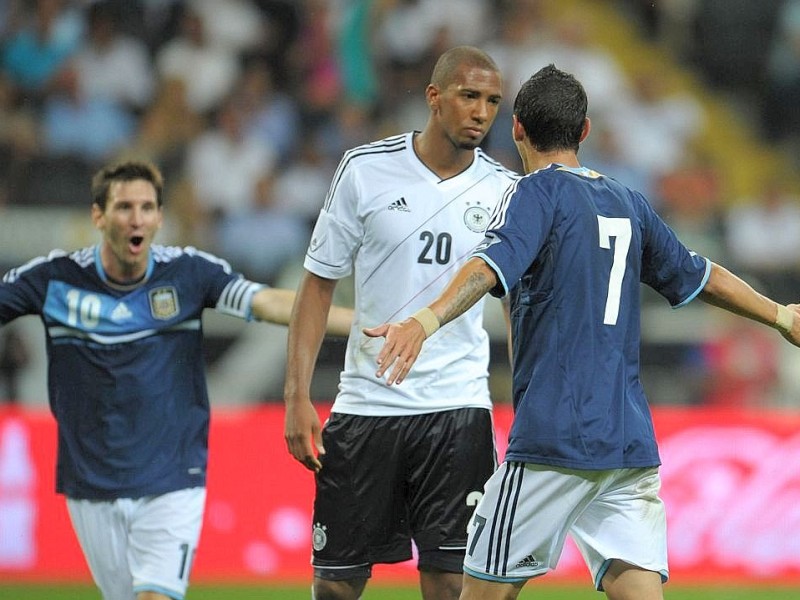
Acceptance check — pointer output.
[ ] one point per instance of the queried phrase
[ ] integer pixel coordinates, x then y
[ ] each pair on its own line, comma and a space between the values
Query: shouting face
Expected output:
129, 223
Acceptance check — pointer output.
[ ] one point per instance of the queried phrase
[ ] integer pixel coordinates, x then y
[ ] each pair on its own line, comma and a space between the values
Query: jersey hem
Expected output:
107, 495
579, 466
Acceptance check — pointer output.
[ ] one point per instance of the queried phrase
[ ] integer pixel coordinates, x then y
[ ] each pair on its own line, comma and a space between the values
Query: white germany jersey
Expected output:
404, 232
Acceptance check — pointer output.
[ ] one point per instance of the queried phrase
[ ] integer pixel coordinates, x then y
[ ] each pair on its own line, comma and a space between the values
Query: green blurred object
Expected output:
532, 591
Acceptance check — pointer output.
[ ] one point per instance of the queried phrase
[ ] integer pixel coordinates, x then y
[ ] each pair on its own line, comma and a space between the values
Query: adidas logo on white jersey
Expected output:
528, 561
400, 205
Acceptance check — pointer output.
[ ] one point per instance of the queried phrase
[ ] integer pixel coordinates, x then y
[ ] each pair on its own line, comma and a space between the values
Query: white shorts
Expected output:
519, 527
140, 545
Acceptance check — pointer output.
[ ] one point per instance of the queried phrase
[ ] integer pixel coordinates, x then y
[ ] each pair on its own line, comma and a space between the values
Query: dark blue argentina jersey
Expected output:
571, 247
126, 374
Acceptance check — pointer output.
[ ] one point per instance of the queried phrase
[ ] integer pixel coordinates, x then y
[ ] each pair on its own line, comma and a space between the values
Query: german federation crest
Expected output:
319, 537
476, 218
164, 303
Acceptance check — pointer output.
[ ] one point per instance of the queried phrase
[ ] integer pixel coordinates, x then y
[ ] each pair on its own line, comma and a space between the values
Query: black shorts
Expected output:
388, 480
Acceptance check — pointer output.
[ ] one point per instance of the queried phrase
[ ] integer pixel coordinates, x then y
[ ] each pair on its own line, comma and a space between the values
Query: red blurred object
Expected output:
730, 480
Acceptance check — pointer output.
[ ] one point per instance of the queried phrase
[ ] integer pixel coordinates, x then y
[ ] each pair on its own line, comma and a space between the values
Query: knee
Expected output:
325, 589
624, 581
440, 585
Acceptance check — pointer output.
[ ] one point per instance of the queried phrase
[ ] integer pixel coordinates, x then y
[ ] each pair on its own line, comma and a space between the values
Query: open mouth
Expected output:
137, 241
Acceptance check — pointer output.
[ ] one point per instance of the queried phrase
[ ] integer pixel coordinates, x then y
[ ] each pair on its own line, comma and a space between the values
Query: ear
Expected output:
98, 217
587, 127
517, 130
432, 97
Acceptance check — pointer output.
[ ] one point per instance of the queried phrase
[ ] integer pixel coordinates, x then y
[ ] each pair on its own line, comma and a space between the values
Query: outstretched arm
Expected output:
404, 340
302, 429
726, 290
274, 305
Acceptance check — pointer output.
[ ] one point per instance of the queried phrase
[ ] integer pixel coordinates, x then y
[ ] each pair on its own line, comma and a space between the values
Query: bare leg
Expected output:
479, 589
350, 589
151, 596
438, 585
624, 581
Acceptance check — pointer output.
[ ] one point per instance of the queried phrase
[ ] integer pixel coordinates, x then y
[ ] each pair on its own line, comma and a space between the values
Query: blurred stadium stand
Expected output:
710, 51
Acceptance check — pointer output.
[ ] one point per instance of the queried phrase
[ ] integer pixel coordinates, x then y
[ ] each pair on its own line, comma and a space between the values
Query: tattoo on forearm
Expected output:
466, 295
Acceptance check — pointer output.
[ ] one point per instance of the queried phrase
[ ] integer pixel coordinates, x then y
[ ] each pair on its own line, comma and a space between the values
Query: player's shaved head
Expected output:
449, 63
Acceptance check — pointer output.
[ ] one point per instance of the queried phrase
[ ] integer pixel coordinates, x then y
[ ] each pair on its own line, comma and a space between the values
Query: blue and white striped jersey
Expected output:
571, 247
126, 374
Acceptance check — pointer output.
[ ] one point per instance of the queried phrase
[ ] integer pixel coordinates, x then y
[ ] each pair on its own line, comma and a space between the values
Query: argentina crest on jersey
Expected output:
164, 303
476, 217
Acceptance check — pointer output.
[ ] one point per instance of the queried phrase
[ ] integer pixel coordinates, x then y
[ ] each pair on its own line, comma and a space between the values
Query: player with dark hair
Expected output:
570, 247
127, 383
397, 465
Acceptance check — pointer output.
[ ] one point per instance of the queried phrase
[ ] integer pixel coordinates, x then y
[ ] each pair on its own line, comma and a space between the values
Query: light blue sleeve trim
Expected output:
699, 288
495, 268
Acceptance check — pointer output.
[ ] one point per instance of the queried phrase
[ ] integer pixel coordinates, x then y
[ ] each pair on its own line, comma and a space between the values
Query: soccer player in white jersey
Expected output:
400, 464
570, 247
127, 384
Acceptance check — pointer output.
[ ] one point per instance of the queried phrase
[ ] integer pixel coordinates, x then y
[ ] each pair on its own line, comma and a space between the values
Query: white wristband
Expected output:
785, 319
427, 318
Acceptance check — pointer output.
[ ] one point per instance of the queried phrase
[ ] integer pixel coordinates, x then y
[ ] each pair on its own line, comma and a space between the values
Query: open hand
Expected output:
400, 350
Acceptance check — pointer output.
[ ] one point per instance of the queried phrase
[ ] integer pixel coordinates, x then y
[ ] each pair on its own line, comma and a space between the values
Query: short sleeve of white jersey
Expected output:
339, 229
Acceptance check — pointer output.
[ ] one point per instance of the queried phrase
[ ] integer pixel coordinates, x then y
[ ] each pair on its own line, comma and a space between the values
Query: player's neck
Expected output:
533, 161
120, 273
441, 156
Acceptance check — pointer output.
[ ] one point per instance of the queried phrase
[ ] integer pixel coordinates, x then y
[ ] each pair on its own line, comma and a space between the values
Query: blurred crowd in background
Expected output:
248, 105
